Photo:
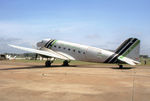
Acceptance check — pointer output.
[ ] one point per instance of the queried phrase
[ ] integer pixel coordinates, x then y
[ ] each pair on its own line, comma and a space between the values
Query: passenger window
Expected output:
74, 50
83, 52
59, 47
69, 49
55, 46
79, 52
64, 48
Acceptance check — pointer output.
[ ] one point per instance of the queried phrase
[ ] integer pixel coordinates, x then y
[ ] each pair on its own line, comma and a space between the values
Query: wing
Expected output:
48, 53
128, 60
66, 55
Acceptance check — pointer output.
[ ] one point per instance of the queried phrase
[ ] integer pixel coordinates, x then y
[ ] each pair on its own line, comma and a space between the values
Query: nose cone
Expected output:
42, 43
39, 44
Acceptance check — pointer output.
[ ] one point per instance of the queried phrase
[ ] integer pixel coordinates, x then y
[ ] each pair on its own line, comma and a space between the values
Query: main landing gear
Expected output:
66, 63
49, 62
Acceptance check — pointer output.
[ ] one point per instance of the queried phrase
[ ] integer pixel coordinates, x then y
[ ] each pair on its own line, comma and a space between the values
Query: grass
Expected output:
75, 62
147, 61
58, 61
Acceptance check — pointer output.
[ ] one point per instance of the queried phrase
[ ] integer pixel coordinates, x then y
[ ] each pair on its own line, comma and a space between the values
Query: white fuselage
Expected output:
77, 51
127, 52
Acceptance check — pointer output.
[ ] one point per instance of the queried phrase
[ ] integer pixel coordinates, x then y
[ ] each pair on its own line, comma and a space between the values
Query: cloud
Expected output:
8, 40
93, 36
4, 48
28, 34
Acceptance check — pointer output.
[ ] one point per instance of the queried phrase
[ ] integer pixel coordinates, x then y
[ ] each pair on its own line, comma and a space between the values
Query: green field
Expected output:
75, 62
147, 61
55, 62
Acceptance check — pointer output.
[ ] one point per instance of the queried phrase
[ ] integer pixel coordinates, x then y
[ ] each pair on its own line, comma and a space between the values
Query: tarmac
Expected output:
83, 82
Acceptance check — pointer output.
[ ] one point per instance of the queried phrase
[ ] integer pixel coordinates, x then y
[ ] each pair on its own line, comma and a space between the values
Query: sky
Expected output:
99, 23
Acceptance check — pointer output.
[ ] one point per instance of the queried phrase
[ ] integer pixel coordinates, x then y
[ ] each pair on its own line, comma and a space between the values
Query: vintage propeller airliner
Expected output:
127, 52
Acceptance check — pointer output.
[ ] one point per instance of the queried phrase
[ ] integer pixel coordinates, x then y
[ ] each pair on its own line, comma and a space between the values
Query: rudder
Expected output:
130, 48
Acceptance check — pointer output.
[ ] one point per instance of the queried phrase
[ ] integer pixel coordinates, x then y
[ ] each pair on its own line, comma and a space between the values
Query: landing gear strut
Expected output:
49, 62
66, 63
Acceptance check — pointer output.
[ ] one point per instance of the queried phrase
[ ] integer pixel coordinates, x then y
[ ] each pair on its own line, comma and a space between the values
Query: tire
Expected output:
65, 63
120, 66
48, 64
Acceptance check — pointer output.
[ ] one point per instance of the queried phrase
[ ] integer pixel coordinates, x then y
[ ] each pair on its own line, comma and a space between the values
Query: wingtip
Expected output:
10, 45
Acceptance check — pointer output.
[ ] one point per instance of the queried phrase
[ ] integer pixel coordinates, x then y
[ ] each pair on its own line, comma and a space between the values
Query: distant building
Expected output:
144, 56
2, 57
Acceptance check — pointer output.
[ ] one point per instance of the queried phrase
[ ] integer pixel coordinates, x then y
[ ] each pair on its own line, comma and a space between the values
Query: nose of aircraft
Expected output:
39, 44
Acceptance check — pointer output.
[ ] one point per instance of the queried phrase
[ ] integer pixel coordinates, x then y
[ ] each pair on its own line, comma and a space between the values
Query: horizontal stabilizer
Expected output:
128, 60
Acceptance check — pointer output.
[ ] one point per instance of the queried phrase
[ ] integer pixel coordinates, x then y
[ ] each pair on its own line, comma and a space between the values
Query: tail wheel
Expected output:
120, 66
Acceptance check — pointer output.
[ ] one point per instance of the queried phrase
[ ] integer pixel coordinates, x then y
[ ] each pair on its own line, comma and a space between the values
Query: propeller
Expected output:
36, 55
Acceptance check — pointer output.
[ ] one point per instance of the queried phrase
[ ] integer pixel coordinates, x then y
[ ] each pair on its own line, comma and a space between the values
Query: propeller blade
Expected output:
36, 56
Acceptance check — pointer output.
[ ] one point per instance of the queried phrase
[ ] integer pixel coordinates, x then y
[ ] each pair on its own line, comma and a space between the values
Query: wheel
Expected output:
48, 64
66, 63
120, 66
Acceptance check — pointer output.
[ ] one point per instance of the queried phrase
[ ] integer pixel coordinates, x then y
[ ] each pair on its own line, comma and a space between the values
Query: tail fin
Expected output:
130, 48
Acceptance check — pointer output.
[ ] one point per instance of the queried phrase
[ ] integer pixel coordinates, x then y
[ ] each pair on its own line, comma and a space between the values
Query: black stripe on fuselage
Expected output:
127, 45
122, 48
118, 49
107, 60
122, 45
48, 43
131, 42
